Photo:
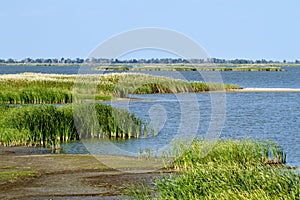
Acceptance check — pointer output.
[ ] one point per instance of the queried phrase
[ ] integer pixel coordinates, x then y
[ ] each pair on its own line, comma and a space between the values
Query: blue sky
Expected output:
225, 28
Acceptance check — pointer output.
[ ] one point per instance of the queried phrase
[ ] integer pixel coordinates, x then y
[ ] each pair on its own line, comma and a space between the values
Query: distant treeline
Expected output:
139, 61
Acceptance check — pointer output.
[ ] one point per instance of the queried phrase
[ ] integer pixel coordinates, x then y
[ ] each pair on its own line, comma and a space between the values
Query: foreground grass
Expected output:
232, 170
31, 88
48, 126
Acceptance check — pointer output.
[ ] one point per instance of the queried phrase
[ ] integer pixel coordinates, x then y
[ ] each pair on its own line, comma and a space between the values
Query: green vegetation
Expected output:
13, 175
191, 67
30, 88
231, 170
48, 126
36, 88
131, 83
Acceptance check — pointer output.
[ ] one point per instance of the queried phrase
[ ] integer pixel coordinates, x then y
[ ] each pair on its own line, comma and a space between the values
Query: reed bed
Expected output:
48, 126
132, 83
232, 170
31, 88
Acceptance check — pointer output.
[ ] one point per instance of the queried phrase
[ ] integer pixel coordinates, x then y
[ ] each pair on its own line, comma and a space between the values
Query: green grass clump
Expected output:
205, 87
231, 170
13, 175
35, 96
48, 126
145, 84
227, 152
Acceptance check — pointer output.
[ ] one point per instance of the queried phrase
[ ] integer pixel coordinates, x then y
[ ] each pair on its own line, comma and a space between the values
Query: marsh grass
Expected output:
31, 88
232, 170
49, 126
131, 83
227, 152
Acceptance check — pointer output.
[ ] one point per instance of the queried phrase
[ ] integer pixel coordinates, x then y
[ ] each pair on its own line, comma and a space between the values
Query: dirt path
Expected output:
62, 176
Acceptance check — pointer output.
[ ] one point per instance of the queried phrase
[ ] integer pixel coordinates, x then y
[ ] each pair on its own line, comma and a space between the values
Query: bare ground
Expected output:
65, 176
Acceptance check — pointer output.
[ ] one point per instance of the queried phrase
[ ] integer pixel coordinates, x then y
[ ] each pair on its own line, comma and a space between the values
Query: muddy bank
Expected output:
65, 176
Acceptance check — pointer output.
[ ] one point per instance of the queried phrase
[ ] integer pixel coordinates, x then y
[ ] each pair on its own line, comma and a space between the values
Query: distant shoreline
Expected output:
154, 64
44, 64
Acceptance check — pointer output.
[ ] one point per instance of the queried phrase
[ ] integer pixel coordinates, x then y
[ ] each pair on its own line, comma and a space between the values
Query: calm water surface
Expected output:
288, 79
274, 116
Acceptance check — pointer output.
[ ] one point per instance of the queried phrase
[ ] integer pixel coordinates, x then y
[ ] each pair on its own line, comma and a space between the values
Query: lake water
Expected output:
288, 79
274, 116
255, 115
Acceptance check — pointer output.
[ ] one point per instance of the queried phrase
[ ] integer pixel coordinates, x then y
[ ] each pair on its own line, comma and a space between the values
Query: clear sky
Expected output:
227, 29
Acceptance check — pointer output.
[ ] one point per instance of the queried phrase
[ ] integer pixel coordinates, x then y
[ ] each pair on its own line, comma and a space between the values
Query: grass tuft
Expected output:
231, 170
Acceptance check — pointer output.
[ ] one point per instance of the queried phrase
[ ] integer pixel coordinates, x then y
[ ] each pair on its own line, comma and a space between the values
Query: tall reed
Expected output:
48, 126
30, 88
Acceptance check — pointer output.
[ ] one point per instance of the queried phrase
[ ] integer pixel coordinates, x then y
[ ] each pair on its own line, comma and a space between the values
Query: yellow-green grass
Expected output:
13, 175
31, 88
231, 170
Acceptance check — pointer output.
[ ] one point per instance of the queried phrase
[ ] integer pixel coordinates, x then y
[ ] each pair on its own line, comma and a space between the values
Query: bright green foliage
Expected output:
226, 170
231, 170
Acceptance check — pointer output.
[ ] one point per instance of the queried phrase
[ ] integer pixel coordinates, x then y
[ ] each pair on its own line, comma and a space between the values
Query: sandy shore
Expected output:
267, 90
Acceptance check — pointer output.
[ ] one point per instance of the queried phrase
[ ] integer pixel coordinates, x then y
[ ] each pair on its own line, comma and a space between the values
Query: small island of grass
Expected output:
32, 88
190, 67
